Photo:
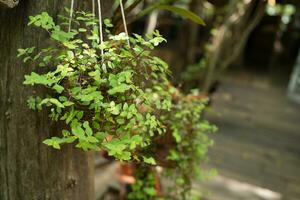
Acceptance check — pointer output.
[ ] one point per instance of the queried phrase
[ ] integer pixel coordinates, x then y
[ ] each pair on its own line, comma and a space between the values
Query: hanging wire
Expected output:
93, 7
124, 21
71, 15
100, 27
93, 11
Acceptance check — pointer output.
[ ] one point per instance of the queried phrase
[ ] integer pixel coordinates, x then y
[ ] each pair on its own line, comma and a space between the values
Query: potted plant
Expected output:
108, 95
179, 153
114, 96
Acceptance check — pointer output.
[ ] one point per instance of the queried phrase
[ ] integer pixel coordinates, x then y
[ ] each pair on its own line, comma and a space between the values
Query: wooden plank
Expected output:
259, 137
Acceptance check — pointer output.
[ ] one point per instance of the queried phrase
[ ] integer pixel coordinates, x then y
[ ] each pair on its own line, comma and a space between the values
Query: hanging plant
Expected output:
181, 151
190, 133
109, 94
146, 186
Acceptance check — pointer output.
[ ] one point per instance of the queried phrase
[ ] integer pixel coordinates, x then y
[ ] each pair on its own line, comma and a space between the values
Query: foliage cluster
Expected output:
187, 153
189, 131
108, 102
116, 97
145, 186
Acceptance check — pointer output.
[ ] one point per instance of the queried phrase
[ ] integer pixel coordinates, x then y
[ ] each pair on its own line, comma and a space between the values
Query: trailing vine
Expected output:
181, 151
115, 96
108, 103
189, 131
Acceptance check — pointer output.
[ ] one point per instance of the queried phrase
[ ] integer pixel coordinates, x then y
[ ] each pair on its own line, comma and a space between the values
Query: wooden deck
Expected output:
259, 137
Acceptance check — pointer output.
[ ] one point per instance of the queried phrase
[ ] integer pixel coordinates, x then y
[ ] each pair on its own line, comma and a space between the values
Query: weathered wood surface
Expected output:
9, 3
28, 169
259, 136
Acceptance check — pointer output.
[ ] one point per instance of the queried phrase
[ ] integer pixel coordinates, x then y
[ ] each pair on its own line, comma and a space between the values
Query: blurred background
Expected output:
246, 59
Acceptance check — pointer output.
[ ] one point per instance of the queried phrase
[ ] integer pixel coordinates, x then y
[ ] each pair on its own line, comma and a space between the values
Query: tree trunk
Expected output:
9, 3
196, 6
227, 44
29, 170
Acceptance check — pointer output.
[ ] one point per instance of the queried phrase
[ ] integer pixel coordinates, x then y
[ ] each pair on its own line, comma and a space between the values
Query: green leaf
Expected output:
43, 20
114, 109
124, 156
56, 102
62, 98
79, 115
82, 30
120, 121
182, 12
85, 145
58, 88
119, 89
26, 59
117, 149
68, 140
46, 59
176, 134
26, 51
120, 36
108, 23
96, 95
149, 160
68, 103
70, 45
179, 11
65, 133
100, 136
157, 40
180, 181
77, 130
35, 78
125, 76
70, 116
134, 141
88, 129
92, 139
54, 142
33, 102
42, 64
173, 156
62, 36
49, 101
96, 75
21, 52
150, 191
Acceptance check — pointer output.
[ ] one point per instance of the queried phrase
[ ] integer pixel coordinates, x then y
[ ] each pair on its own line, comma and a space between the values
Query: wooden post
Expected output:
29, 170
9, 3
